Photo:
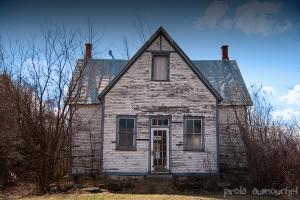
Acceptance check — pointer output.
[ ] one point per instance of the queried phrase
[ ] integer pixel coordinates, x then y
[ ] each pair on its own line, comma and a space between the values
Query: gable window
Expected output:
126, 132
193, 134
160, 68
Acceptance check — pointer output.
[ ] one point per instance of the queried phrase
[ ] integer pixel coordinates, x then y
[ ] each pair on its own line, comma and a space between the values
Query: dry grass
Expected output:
113, 196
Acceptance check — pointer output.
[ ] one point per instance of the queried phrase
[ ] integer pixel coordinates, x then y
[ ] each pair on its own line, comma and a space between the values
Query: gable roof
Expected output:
162, 31
223, 76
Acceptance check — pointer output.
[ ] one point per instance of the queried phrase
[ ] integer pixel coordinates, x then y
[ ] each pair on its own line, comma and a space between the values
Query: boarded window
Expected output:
126, 132
160, 70
193, 134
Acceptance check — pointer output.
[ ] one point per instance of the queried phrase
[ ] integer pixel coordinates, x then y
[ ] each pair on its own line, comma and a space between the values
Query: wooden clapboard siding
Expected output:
231, 147
136, 94
86, 123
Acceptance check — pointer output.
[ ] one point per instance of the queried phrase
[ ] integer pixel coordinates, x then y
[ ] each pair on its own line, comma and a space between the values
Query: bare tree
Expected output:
272, 146
143, 29
126, 47
42, 92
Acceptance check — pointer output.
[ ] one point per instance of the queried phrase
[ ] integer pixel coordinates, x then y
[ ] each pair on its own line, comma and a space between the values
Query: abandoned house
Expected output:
158, 112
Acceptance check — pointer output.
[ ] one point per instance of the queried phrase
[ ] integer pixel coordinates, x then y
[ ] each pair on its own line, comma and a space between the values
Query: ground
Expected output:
112, 196
125, 190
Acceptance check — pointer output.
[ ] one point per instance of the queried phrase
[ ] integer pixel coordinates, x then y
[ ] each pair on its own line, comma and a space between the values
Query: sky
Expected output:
263, 35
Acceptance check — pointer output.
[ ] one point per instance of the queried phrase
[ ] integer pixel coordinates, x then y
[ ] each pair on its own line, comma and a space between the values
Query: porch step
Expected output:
160, 177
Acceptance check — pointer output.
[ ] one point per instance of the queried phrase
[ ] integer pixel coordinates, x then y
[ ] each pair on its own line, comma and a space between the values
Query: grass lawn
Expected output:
112, 196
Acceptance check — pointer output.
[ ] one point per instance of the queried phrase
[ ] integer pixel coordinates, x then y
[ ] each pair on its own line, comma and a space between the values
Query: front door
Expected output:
159, 149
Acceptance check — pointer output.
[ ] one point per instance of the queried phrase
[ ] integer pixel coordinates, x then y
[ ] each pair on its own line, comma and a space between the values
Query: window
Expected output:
193, 134
160, 122
126, 132
160, 69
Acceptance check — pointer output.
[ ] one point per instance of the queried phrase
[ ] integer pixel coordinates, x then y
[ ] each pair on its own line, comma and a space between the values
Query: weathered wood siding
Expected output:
86, 138
136, 94
231, 147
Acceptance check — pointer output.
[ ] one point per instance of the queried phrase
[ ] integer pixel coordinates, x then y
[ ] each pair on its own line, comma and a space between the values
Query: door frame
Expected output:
167, 147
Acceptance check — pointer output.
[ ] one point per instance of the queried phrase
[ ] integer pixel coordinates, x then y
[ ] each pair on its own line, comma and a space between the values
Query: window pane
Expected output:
188, 141
130, 125
159, 122
166, 122
122, 125
160, 68
197, 126
154, 122
122, 139
189, 126
130, 140
197, 142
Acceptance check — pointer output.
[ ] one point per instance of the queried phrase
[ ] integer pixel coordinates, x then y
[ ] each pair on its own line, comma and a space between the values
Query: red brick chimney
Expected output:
224, 49
88, 51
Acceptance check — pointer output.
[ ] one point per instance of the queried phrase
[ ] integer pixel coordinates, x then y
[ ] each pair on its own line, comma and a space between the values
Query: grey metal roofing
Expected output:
224, 76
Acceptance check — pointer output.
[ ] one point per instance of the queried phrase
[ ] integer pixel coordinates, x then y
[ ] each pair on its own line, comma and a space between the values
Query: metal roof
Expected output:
224, 76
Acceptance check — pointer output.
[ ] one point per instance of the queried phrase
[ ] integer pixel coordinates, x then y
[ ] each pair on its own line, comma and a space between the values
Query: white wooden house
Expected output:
159, 112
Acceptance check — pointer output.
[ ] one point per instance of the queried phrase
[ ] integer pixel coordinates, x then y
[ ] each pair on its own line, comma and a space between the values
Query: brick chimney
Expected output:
88, 51
224, 49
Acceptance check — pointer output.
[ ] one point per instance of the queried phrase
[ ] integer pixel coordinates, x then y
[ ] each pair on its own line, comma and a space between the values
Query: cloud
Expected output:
286, 114
258, 18
212, 15
252, 17
293, 96
227, 23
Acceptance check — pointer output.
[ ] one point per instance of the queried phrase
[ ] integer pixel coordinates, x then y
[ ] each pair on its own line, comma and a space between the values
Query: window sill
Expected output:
194, 150
125, 149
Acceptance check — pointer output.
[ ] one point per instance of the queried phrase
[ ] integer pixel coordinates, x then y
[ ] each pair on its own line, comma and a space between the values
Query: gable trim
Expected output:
160, 31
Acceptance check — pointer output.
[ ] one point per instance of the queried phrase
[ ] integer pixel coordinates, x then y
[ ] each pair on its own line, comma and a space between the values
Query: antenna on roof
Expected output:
111, 54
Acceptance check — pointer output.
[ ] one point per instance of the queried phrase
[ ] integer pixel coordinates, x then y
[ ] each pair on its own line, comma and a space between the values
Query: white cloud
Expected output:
269, 90
252, 17
286, 114
256, 17
212, 15
293, 96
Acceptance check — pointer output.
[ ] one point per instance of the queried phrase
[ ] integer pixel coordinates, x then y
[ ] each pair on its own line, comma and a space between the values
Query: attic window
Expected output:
160, 68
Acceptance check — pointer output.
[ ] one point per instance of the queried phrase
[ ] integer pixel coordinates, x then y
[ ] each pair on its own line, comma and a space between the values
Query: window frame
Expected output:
126, 148
202, 133
156, 54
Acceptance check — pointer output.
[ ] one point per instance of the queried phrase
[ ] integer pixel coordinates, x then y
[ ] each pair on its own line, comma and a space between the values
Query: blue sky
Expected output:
263, 36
